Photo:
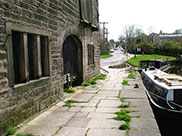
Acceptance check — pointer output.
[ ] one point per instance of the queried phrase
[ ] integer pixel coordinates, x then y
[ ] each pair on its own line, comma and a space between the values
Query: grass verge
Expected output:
105, 56
134, 61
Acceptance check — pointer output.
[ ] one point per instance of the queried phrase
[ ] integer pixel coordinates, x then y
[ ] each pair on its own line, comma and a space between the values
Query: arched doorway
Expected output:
72, 60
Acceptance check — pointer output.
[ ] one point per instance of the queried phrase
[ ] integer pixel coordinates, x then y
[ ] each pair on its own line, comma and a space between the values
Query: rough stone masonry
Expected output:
33, 35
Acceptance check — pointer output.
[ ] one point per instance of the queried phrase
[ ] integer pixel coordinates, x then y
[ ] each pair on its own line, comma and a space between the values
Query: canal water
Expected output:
168, 126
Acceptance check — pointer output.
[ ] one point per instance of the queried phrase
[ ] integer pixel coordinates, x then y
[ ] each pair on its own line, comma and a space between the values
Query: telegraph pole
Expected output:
107, 34
104, 29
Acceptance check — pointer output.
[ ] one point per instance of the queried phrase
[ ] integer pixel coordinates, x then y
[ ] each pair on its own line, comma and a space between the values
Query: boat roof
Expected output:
168, 81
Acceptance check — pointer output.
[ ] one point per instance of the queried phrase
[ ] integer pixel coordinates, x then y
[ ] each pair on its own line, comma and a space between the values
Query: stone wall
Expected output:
56, 19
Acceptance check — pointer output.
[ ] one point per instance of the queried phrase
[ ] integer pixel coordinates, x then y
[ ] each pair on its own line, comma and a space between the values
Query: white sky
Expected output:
165, 15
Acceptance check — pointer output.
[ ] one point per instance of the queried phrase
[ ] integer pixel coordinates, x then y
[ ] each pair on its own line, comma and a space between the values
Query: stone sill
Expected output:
32, 84
89, 24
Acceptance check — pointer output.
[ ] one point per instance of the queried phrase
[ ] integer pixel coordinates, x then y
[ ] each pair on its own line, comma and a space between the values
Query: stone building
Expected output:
170, 36
157, 38
44, 44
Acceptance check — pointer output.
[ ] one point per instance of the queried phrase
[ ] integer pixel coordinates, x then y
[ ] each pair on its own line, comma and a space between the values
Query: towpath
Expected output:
94, 110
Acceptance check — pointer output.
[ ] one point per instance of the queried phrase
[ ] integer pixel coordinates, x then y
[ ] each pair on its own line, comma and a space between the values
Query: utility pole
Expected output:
104, 29
107, 34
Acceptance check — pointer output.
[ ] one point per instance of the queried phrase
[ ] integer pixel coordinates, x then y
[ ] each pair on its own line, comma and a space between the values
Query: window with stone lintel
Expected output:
30, 56
90, 49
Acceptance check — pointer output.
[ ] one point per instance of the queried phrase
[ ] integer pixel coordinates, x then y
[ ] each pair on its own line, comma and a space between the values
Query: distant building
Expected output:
44, 46
164, 36
141, 38
178, 31
172, 36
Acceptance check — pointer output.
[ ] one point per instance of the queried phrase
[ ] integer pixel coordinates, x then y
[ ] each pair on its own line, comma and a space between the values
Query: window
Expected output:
18, 57
33, 56
44, 55
86, 11
90, 54
30, 56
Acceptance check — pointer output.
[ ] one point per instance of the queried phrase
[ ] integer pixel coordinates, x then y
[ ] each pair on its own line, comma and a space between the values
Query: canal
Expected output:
168, 126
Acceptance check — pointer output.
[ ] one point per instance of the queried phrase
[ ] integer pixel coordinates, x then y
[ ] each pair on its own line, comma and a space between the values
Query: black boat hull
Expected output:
157, 99
163, 112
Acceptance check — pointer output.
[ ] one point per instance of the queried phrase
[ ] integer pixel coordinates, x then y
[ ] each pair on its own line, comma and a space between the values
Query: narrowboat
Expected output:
164, 92
162, 64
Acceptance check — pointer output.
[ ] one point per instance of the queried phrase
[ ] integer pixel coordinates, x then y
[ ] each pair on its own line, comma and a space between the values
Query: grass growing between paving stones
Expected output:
122, 99
123, 112
124, 105
58, 129
119, 94
70, 90
135, 116
132, 75
123, 116
93, 80
125, 82
96, 106
10, 131
125, 126
94, 86
85, 83
69, 103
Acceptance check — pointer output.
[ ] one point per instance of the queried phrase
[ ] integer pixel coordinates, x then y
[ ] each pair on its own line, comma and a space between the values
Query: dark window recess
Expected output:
33, 56
178, 96
90, 54
18, 57
44, 55
86, 10
33, 44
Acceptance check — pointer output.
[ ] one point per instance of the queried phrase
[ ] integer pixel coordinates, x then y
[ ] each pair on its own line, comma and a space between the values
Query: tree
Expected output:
170, 47
118, 43
111, 41
146, 47
178, 31
129, 33
105, 46
121, 38
138, 31
151, 30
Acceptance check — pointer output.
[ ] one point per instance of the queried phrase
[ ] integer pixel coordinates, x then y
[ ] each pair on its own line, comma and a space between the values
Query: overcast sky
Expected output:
165, 15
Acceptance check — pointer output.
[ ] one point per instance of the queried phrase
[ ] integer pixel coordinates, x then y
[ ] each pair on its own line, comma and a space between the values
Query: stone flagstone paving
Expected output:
93, 116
